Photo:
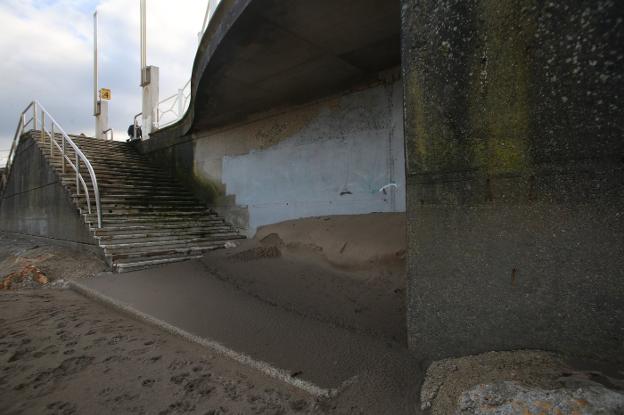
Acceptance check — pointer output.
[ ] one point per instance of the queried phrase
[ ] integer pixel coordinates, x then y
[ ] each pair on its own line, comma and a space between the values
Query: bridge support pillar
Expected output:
515, 170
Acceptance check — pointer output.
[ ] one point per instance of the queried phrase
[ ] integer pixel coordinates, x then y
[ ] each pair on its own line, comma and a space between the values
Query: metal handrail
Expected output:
112, 135
136, 125
55, 130
175, 105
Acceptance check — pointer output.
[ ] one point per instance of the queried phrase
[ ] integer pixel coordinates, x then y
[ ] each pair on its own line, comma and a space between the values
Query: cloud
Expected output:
46, 49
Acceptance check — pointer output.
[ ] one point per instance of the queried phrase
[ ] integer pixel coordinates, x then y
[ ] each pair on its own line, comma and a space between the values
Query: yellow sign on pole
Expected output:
105, 94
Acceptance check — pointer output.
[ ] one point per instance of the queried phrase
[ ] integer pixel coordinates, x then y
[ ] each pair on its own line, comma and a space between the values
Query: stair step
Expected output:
103, 154
118, 220
120, 183
155, 204
162, 198
118, 246
111, 177
157, 214
184, 227
154, 210
96, 154
148, 218
166, 251
122, 266
195, 232
122, 186
116, 223
122, 167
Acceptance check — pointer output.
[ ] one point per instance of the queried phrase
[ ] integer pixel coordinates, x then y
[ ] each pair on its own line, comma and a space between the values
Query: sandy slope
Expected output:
61, 353
345, 270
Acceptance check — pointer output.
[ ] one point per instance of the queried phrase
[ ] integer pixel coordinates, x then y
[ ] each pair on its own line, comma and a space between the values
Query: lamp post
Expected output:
149, 81
100, 106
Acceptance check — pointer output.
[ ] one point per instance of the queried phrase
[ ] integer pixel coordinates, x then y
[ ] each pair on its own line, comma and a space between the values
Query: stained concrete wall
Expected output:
515, 176
326, 158
35, 203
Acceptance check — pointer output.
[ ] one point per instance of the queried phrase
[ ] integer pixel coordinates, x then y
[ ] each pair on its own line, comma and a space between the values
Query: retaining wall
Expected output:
330, 157
34, 201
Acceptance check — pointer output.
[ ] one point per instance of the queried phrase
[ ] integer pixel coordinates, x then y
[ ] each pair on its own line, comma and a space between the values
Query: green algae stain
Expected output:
432, 144
419, 127
208, 189
500, 82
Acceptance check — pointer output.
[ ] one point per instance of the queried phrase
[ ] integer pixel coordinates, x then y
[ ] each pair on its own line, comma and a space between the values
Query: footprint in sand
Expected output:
178, 407
178, 379
201, 385
148, 383
64, 408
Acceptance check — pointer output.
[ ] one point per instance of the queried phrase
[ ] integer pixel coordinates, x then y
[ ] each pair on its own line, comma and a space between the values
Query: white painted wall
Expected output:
334, 165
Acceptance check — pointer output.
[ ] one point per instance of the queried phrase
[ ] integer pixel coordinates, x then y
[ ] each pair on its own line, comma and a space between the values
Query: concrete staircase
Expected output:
148, 218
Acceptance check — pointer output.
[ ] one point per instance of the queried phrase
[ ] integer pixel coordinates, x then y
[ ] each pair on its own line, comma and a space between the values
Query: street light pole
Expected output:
149, 81
143, 42
100, 107
95, 65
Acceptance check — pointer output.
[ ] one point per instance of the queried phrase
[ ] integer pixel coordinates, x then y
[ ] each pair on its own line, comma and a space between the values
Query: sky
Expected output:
46, 53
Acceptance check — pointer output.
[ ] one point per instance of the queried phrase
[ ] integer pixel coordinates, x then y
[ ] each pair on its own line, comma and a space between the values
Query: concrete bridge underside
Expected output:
266, 54
514, 150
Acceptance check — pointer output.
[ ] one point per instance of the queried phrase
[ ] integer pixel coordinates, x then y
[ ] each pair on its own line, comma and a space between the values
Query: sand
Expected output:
56, 262
349, 242
348, 271
61, 353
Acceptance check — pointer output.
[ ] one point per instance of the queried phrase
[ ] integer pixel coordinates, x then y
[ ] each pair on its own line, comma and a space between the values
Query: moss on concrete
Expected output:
208, 189
499, 86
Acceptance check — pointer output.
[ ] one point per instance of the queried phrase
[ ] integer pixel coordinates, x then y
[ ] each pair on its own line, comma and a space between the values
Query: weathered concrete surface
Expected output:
327, 158
35, 203
538, 372
253, 146
263, 54
515, 171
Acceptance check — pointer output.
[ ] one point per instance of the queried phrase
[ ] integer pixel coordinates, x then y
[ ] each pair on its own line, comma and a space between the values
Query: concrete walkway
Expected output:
312, 355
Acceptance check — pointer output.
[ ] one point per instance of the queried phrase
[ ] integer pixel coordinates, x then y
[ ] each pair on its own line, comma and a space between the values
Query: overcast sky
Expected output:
46, 54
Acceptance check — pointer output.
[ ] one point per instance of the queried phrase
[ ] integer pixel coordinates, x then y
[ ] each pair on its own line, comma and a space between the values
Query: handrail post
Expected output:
77, 174
35, 116
63, 152
99, 212
42, 128
52, 140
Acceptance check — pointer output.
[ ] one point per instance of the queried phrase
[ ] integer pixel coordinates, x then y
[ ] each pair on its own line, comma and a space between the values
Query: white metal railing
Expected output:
51, 132
173, 108
137, 125
108, 133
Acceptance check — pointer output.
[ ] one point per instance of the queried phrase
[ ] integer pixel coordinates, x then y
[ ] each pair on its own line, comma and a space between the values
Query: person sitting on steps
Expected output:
131, 135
